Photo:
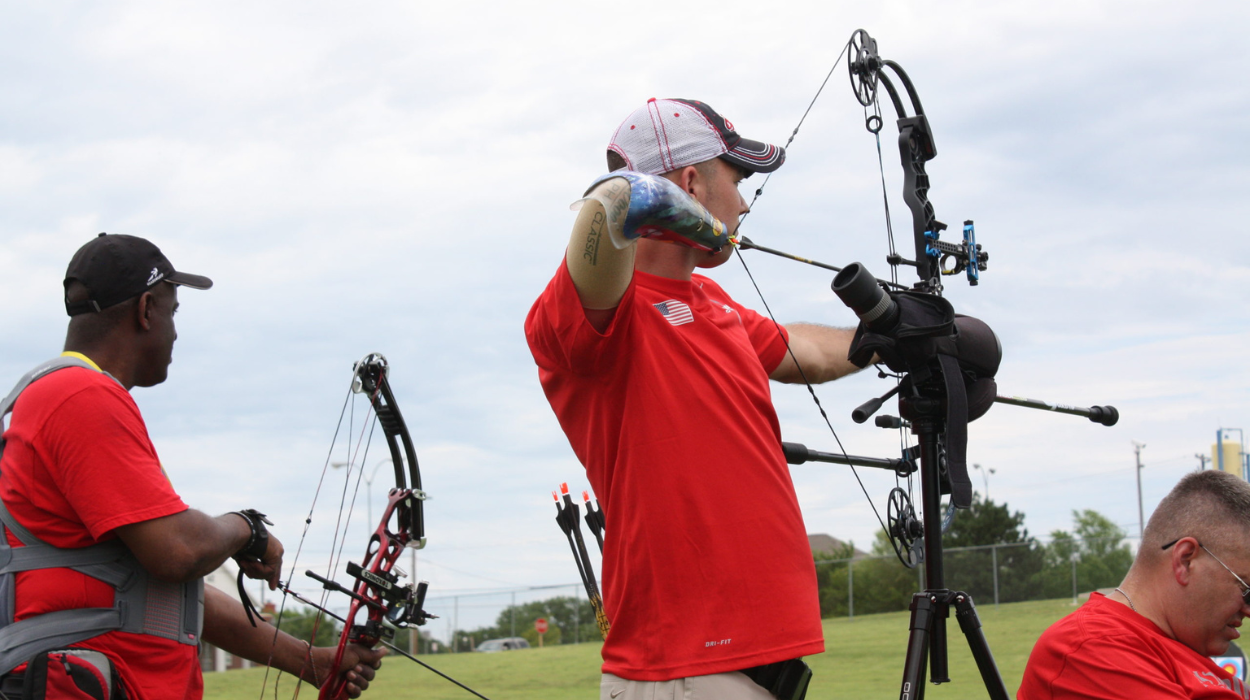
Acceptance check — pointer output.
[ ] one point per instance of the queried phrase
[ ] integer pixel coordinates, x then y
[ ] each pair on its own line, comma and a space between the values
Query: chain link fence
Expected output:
998, 573
991, 574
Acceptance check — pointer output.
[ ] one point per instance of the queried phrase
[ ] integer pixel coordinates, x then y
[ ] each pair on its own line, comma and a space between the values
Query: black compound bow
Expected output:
933, 257
944, 365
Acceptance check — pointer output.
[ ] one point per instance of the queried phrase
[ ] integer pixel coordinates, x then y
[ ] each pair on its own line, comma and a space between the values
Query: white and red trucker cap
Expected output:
668, 134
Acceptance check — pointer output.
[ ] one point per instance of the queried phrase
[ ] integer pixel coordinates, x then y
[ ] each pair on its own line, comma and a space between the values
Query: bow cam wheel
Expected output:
905, 529
863, 63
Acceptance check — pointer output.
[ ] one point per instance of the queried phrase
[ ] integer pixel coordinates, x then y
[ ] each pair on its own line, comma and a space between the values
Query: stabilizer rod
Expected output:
798, 454
1103, 415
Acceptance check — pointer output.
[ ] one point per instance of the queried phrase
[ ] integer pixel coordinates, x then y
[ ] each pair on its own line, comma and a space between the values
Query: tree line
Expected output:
1094, 554
1027, 570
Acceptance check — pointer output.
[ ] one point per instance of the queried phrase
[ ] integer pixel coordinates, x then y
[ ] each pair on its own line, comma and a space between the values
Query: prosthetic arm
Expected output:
622, 207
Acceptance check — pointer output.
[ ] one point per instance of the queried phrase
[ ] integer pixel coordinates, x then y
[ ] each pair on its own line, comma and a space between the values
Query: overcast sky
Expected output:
395, 177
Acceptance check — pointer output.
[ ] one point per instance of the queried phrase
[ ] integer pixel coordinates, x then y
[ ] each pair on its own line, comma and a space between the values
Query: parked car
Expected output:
505, 644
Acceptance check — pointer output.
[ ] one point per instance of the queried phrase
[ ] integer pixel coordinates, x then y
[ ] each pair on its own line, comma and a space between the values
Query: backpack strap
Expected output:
42, 370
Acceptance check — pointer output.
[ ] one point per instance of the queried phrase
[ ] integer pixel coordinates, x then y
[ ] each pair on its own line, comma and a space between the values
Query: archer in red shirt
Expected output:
661, 382
1183, 601
78, 470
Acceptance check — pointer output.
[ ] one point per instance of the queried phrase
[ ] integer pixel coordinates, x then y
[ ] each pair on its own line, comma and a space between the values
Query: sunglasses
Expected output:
1245, 588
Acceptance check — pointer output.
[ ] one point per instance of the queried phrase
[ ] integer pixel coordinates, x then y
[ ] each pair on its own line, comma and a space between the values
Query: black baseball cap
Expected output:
115, 267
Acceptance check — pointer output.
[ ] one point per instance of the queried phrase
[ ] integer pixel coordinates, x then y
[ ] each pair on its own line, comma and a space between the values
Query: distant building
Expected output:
832, 547
213, 659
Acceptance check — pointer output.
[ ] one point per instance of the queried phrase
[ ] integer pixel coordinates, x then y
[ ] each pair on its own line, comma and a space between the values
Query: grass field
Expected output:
863, 659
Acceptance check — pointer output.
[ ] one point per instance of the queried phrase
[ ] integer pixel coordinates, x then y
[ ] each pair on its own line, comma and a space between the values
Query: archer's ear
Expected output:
688, 178
1181, 559
144, 310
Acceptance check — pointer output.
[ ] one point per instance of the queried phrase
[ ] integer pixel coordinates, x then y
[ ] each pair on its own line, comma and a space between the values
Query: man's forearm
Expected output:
226, 626
820, 350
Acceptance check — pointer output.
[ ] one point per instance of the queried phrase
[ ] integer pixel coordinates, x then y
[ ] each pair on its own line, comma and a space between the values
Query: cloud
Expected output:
396, 178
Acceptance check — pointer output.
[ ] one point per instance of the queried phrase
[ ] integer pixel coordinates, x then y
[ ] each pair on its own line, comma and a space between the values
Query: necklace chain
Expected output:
1130, 600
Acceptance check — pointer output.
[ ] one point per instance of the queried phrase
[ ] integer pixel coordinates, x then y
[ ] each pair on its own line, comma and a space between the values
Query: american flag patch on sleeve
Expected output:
675, 312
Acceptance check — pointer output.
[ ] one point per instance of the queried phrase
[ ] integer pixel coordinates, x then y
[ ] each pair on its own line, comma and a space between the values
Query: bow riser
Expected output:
377, 587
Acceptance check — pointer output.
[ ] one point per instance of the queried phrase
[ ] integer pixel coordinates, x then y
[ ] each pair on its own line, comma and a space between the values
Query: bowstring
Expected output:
885, 193
341, 526
325, 467
903, 436
785, 339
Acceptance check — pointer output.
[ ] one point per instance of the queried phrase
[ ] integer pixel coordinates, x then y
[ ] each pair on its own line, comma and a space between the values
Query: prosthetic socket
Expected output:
655, 207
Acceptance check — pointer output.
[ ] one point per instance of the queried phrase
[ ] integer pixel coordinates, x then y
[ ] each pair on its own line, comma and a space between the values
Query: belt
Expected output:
786, 680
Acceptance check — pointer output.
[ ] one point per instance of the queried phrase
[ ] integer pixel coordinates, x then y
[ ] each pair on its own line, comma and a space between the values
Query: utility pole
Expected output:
1202, 461
1141, 518
985, 476
414, 636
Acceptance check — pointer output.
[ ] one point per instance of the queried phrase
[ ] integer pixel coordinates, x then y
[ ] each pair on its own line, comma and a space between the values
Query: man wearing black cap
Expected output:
660, 381
102, 562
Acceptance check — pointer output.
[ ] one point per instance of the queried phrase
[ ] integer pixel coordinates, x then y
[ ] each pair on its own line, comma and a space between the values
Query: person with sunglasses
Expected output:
1183, 601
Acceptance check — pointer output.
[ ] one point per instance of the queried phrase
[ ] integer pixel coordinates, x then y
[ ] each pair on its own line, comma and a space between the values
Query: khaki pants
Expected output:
719, 686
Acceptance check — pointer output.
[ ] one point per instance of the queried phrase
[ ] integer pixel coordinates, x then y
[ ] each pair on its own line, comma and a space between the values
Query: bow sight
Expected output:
944, 365
916, 147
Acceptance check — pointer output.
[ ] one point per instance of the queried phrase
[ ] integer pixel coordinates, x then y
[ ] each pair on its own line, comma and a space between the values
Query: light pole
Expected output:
985, 476
368, 483
369, 488
1141, 518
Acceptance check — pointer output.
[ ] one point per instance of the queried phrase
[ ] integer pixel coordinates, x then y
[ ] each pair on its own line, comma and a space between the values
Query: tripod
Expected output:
924, 411
931, 607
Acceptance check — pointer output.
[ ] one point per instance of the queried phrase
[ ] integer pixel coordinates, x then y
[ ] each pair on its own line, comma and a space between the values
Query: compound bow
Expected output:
933, 257
388, 605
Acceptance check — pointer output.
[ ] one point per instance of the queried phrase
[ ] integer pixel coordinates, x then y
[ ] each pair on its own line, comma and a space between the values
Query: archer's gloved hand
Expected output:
655, 207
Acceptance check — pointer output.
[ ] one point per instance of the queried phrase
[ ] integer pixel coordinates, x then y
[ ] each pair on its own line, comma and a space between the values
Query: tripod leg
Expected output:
939, 668
970, 624
923, 613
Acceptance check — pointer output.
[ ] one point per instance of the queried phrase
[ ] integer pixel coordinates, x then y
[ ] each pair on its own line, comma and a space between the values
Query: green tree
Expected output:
831, 581
1104, 556
569, 620
1096, 545
1056, 578
972, 571
299, 622
880, 584
884, 584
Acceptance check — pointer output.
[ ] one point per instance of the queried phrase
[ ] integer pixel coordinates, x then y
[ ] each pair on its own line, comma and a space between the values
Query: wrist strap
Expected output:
258, 542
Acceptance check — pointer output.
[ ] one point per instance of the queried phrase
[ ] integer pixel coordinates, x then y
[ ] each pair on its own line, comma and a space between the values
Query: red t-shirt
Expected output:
77, 464
1104, 650
706, 566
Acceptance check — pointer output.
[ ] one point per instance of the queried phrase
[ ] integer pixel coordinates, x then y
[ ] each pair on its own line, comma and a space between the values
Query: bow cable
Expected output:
348, 410
893, 269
